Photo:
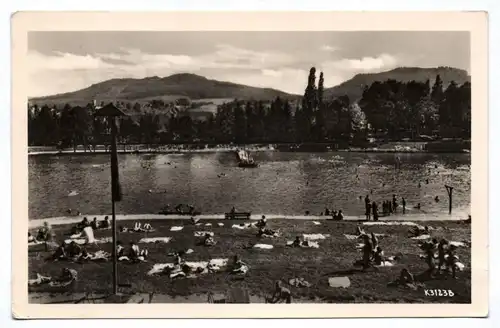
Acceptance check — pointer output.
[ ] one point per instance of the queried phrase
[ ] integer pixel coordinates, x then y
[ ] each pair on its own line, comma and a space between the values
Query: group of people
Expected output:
79, 227
388, 207
446, 256
372, 252
133, 253
43, 234
179, 209
70, 252
336, 215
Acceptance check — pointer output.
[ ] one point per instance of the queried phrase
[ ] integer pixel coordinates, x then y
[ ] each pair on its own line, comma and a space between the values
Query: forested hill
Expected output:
155, 88
353, 88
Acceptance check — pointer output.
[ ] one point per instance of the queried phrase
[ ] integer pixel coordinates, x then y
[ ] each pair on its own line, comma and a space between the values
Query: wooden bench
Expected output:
238, 216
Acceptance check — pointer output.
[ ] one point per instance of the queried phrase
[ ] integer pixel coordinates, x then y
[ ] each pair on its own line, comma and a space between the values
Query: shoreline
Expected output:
64, 220
222, 150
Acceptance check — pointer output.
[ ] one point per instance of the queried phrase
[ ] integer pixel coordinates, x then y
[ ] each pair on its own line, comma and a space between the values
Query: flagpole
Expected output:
113, 214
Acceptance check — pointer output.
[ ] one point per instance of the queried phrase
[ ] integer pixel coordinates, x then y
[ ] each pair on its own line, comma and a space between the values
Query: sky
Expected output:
68, 61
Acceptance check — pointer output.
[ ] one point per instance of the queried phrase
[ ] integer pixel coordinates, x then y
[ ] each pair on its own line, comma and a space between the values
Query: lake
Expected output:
284, 183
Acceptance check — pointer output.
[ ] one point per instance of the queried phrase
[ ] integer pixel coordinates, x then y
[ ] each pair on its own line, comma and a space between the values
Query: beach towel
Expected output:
389, 223
198, 224
196, 268
317, 236
384, 264
339, 282
299, 282
310, 244
99, 256
220, 224
208, 224
353, 237
156, 240
243, 226
73, 193
127, 259
176, 228
203, 233
421, 237
263, 246
457, 243
316, 223
39, 280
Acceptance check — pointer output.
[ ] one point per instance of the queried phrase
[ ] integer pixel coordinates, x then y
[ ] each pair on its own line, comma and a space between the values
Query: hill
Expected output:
167, 89
354, 87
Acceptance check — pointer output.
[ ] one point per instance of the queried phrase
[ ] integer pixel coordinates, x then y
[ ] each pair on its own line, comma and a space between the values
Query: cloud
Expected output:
65, 72
328, 48
383, 61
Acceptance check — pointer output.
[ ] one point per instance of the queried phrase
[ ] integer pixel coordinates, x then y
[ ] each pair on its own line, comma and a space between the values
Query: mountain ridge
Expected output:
193, 86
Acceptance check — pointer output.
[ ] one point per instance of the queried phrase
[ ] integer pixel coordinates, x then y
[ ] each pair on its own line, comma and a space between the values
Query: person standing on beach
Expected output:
367, 207
394, 203
375, 211
403, 202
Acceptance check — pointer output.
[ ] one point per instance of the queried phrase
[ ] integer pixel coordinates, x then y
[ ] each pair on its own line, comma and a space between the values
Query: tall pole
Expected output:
450, 197
113, 220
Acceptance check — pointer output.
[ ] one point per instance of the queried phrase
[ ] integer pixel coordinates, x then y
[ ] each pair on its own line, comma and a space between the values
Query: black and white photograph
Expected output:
249, 167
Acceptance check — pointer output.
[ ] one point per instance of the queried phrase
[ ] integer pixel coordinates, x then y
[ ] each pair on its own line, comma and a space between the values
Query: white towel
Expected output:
156, 240
389, 223
311, 244
336, 282
203, 233
215, 265
384, 264
316, 223
316, 236
421, 237
457, 243
208, 224
220, 224
263, 246
176, 228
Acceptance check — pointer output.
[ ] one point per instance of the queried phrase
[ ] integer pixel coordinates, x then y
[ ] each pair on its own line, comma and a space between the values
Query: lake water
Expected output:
284, 183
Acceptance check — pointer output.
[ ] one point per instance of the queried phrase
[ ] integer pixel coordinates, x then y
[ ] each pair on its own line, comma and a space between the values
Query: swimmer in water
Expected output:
436, 199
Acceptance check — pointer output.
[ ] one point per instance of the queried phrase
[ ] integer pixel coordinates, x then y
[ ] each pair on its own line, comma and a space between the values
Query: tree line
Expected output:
391, 110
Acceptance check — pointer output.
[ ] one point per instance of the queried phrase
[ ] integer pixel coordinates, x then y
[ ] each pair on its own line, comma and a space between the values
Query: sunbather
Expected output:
262, 222
84, 256
120, 250
339, 216
281, 294
137, 227
359, 231
374, 241
239, 267
443, 243
105, 223
429, 249
147, 227
31, 239
94, 224
209, 241
367, 252
74, 250
297, 242
60, 253
378, 256
451, 260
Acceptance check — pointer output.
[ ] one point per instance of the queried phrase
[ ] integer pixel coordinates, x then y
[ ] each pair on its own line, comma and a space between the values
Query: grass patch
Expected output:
334, 257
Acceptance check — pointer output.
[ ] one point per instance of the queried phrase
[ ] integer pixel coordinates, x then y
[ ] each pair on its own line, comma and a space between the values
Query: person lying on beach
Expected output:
31, 239
281, 294
359, 231
239, 267
73, 250
267, 232
147, 227
405, 279
120, 250
209, 240
59, 253
417, 231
